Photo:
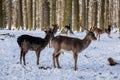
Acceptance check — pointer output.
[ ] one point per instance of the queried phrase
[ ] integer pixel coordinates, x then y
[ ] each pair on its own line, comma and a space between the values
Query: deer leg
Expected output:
24, 53
67, 32
37, 55
21, 55
99, 37
109, 35
54, 58
75, 61
57, 56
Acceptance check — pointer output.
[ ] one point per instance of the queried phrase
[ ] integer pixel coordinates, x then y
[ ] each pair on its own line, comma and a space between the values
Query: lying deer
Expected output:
67, 28
27, 42
61, 43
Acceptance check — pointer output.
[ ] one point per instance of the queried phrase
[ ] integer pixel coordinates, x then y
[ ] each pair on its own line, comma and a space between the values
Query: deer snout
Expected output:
94, 38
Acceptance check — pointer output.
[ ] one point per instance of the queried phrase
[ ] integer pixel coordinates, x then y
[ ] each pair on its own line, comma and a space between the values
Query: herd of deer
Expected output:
60, 44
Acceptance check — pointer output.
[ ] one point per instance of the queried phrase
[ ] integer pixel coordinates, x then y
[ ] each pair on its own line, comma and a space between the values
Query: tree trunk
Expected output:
95, 12
87, 14
34, 14
83, 14
67, 13
20, 18
76, 15
9, 21
102, 14
29, 14
52, 12
46, 15
25, 24
1, 15
119, 18
106, 13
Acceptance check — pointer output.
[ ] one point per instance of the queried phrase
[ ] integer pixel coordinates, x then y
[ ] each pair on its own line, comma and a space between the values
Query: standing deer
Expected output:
55, 28
67, 28
37, 44
61, 43
98, 32
108, 30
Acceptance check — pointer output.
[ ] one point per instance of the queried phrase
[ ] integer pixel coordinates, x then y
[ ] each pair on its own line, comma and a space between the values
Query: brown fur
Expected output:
99, 31
37, 44
70, 44
111, 62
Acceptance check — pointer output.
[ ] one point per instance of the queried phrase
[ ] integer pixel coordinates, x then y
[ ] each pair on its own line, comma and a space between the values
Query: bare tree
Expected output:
52, 12
19, 16
95, 12
119, 17
87, 13
83, 13
34, 14
102, 10
9, 12
67, 13
24, 9
29, 14
46, 10
1, 15
106, 15
76, 15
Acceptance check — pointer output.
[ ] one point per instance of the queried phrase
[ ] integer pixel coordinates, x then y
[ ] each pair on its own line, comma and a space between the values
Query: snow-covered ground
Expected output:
92, 62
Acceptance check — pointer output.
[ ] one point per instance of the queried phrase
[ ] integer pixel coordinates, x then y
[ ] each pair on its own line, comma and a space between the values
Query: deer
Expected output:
98, 32
67, 28
75, 45
32, 43
108, 30
55, 28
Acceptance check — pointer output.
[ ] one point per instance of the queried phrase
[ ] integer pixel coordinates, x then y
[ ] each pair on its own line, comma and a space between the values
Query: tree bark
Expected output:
9, 22
52, 12
76, 15
102, 14
95, 12
83, 14
87, 14
20, 18
1, 14
67, 13
25, 24
46, 15
29, 14
119, 18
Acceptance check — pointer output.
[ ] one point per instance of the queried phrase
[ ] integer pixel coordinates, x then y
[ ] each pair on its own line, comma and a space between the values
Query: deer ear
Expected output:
45, 31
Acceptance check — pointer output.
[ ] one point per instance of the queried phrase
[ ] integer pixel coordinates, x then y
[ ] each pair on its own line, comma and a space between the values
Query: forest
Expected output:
42, 14
33, 46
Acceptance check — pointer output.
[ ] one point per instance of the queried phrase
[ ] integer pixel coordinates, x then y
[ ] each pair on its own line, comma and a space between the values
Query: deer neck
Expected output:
47, 39
86, 42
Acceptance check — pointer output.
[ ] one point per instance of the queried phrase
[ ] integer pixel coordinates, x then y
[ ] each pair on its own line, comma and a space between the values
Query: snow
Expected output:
92, 62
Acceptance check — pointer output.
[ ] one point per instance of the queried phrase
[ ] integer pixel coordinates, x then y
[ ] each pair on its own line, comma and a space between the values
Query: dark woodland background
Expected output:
41, 14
